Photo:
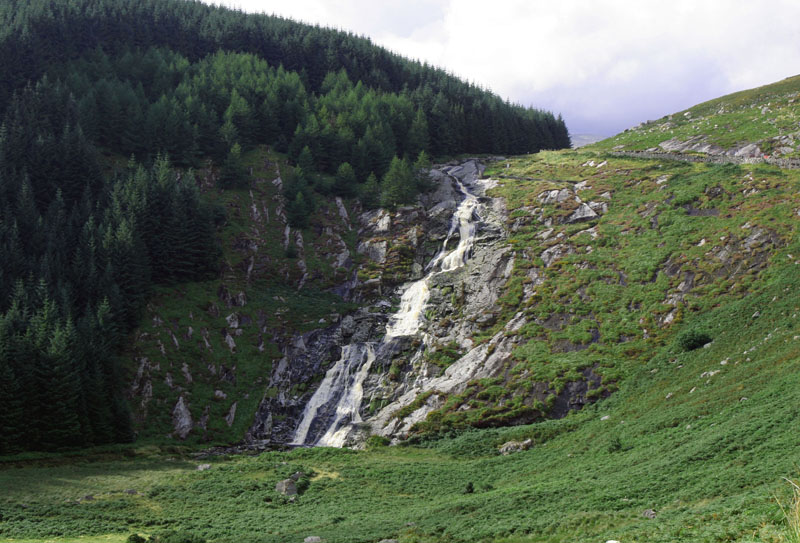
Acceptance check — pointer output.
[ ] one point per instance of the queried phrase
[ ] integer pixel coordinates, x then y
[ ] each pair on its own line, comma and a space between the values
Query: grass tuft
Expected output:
791, 513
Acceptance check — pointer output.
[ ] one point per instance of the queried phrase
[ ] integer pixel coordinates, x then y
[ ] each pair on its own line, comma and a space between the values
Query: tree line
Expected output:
80, 253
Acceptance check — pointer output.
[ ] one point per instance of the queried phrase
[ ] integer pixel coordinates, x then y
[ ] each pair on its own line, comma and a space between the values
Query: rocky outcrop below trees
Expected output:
429, 284
458, 264
454, 319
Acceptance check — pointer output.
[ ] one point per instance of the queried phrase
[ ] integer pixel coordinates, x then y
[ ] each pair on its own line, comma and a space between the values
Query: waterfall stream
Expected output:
337, 400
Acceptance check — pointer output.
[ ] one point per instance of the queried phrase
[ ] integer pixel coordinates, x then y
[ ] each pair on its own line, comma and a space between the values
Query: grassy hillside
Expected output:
669, 242
702, 437
708, 462
767, 115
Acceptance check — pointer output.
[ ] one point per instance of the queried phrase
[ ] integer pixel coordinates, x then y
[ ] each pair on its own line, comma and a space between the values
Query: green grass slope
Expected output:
768, 115
706, 451
702, 437
670, 241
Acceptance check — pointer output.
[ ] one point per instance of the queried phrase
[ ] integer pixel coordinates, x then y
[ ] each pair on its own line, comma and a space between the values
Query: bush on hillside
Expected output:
689, 340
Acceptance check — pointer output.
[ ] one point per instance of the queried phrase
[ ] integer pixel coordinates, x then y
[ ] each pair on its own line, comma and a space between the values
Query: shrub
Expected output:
690, 340
374, 442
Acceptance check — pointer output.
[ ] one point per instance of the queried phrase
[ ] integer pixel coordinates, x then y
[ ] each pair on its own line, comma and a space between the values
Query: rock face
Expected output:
515, 446
182, 419
583, 213
700, 144
427, 231
436, 271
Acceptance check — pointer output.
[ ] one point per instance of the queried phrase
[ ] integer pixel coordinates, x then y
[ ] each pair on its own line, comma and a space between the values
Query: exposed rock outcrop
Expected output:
182, 422
472, 290
431, 278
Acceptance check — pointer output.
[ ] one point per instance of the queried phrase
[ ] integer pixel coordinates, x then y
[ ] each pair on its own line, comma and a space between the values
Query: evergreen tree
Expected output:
298, 211
398, 186
418, 138
371, 192
11, 405
345, 184
422, 172
306, 161
233, 173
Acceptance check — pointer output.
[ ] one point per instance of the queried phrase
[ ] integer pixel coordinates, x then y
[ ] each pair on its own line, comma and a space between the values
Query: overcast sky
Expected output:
605, 65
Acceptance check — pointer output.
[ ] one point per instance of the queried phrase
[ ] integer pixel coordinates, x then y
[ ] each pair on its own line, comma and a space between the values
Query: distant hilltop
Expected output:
579, 140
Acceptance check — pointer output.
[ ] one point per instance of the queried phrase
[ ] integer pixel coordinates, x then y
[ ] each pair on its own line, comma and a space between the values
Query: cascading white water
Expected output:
345, 379
347, 376
409, 318
348, 406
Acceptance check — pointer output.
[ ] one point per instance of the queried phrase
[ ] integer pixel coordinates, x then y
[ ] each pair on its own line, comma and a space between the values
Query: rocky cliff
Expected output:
431, 278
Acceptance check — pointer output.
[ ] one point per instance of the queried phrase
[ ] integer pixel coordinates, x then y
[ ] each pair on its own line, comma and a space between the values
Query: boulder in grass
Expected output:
515, 446
286, 487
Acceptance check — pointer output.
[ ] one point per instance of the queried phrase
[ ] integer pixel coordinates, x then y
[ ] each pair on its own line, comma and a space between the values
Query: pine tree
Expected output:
297, 211
418, 139
12, 420
233, 173
306, 161
345, 184
371, 192
422, 172
398, 186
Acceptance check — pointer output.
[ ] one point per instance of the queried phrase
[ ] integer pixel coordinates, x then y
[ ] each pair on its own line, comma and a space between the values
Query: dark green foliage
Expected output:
345, 183
233, 174
83, 239
80, 255
399, 185
370, 192
306, 161
422, 169
186, 94
691, 339
11, 414
299, 198
298, 210
418, 139
376, 441
176, 537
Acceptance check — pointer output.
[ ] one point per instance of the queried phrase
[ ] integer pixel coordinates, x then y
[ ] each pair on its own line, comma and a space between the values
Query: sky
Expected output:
605, 65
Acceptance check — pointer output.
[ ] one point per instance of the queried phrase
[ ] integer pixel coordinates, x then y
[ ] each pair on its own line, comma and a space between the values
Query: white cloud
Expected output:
604, 64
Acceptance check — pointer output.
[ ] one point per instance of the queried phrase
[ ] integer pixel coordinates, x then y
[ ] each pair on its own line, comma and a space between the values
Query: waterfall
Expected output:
409, 318
337, 400
342, 382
